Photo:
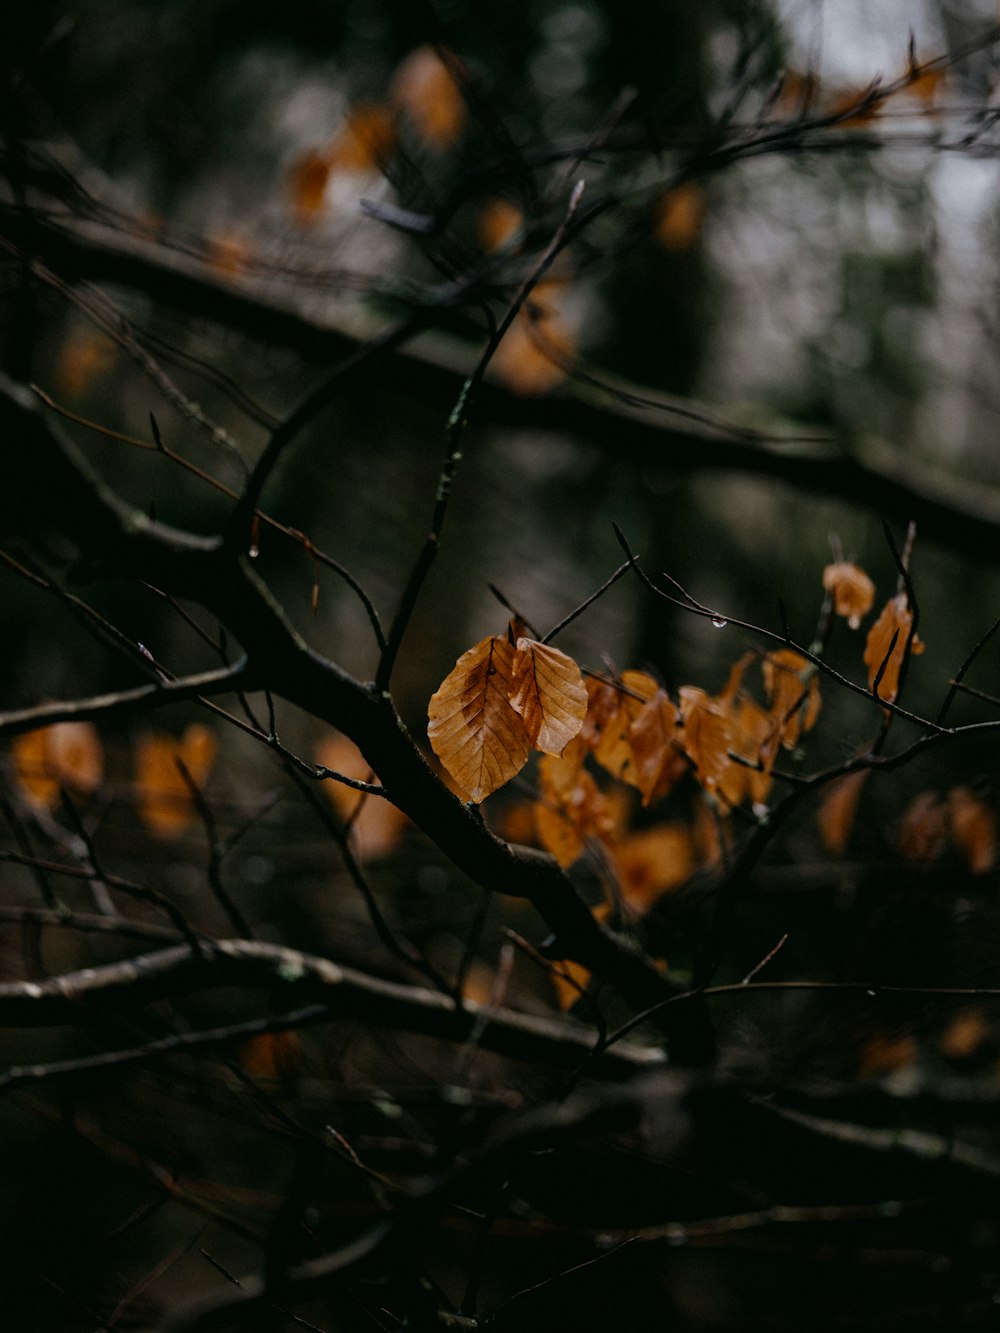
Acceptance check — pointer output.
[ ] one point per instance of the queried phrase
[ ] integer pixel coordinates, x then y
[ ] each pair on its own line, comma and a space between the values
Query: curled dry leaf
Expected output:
707, 736
755, 737
163, 796
570, 808
852, 591
473, 729
66, 754
793, 692
658, 761
896, 619
613, 707
547, 690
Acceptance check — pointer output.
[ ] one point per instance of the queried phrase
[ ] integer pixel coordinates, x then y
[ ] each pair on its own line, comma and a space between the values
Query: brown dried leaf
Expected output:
896, 618
547, 689
473, 729
754, 737
973, 829
571, 808
66, 754
657, 758
793, 692
707, 736
852, 590
612, 710
837, 809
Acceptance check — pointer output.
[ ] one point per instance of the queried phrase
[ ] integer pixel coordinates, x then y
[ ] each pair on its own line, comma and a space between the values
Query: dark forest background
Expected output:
751, 251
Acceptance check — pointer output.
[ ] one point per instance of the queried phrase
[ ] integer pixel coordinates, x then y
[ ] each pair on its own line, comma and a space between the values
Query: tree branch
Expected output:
342, 993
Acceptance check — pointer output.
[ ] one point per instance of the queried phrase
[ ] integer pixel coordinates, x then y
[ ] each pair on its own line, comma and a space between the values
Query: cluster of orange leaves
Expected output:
69, 756
509, 695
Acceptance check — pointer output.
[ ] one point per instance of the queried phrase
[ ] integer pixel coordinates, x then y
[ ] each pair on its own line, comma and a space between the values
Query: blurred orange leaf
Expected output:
307, 185
532, 357
376, 824
473, 729
498, 221
425, 89
966, 1034
571, 979
857, 106
272, 1055
366, 140
66, 754
923, 830
852, 590
837, 810
973, 829
547, 689
885, 1052
680, 215
84, 356
163, 796
653, 862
